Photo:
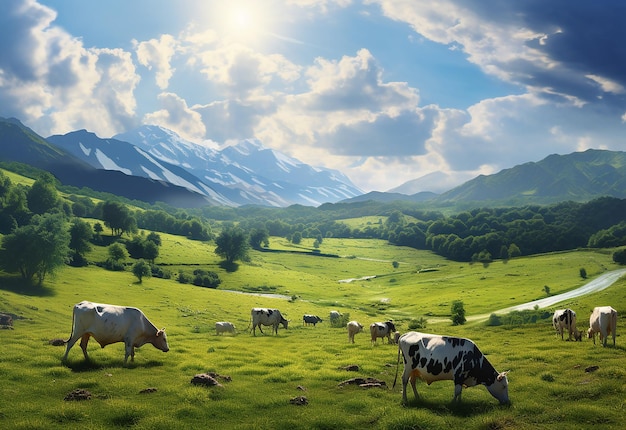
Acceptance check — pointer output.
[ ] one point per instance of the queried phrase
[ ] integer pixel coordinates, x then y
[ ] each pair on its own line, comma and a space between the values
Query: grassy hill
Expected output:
549, 386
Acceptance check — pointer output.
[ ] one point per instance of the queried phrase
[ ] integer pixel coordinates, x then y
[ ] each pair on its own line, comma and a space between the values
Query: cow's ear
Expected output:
502, 375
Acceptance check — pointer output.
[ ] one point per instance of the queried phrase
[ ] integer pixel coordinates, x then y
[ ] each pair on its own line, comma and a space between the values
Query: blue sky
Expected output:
386, 91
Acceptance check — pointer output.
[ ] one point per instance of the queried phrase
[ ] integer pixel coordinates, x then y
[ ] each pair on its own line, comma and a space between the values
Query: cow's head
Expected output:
284, 322
160, 341
578, 335
589, 333
500, 388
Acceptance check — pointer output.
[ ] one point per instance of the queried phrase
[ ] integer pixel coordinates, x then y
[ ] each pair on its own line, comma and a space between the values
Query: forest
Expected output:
476, 235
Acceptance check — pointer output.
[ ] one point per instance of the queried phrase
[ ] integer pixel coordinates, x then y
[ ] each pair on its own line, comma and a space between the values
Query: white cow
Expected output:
224, 327
353, 327
565, 320
382, 329
334, 316
263, 316
111, 324
603, 320
436, 358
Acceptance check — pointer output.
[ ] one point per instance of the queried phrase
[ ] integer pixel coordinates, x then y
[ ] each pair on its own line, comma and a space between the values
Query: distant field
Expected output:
549, 386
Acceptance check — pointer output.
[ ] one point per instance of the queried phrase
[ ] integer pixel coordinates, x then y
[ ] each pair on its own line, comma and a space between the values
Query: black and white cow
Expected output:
565, 320
382, 329
310, 319
264, 316
435, 358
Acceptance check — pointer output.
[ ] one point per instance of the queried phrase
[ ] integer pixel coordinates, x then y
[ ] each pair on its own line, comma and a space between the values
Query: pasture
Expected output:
549, 384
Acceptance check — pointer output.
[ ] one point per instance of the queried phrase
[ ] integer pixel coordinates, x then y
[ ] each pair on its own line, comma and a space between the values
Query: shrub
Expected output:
341, 321
494, 320
415, 324
458, 313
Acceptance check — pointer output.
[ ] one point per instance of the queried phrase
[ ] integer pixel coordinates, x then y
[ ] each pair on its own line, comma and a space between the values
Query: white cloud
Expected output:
176, 115
158, 53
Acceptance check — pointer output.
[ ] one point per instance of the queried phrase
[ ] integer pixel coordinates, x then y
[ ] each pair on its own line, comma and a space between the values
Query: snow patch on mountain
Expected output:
108, 164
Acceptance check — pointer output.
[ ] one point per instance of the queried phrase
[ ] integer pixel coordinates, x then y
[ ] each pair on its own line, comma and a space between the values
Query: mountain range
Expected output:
152, 164
579, 176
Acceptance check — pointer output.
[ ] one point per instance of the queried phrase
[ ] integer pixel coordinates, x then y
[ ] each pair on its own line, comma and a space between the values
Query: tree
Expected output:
150, 251
141, 270
118, 218
458, 313
258, 237
80, 235
296, 238
37, 249
620, 256
232, 244
117, 256
42, 196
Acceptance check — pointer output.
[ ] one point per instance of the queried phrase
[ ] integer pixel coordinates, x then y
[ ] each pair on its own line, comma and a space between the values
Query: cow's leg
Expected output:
405, 380
83, 344
130, 351
70, 344
458, 388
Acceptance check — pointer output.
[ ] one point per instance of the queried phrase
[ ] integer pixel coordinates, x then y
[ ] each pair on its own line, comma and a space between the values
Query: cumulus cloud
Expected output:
176, 115
554, 48
157, 53
52, 82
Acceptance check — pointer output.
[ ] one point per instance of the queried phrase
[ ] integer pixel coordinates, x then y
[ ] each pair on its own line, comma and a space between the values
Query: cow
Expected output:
224, 327
111, 324
334, 316
353, 328
382, 329
603, 320
565, 319
263, 316
310, 319
433, 358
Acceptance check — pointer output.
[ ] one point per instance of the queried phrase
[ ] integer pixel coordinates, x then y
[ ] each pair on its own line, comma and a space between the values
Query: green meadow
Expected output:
552, 383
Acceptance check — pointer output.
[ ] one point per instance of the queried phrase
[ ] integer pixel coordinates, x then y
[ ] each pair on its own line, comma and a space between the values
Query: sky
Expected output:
386, 91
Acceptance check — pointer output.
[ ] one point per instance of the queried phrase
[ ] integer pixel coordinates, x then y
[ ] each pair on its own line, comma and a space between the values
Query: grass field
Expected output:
549, 387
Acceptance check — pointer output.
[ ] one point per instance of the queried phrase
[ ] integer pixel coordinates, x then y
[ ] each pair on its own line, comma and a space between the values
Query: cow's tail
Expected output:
72, 332
395, 379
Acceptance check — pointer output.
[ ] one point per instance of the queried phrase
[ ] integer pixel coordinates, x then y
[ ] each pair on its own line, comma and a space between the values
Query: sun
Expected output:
244, 21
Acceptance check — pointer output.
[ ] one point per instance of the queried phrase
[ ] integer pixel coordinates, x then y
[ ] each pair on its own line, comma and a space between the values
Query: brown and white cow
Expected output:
224, 327
433, 358
565, 320
353, 327
603, 320
264, 316
111, 324
382, 329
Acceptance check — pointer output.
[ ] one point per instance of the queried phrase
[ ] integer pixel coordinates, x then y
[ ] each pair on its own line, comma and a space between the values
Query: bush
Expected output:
458, 313
183, 278
206, 279
494, 320
341, 321
415, 324
620, 256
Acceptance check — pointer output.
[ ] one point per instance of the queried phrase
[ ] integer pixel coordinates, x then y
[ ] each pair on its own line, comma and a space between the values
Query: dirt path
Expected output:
600, 283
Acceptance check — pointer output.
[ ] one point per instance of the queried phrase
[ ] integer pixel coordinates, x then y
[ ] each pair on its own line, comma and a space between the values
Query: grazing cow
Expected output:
603, 320
263, 316
334, 316
224, 327
310, 319
565, 319
435, 358
110, 324
353, 328
382, 329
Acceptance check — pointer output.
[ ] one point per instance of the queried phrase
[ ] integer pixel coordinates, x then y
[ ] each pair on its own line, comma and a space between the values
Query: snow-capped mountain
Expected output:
244, 173
247, 172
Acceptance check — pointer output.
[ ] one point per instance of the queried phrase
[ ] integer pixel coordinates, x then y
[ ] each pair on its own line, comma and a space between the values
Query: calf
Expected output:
435, 358
224, 327
310, 319
353, 328
565, 319
110, 324
382, 329
603, 320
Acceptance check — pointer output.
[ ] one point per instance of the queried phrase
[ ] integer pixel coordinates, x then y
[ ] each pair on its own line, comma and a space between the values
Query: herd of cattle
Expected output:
426, 356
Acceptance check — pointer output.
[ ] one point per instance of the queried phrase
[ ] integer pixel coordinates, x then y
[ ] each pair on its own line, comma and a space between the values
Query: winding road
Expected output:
600, 283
